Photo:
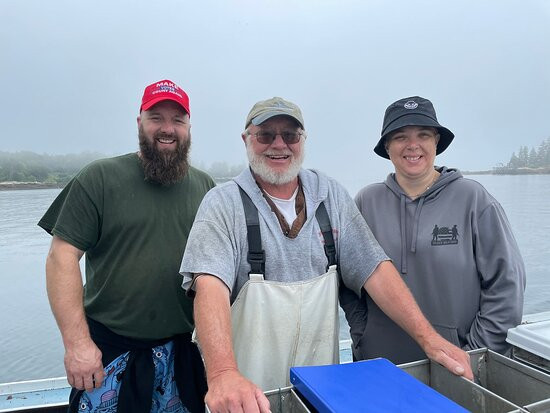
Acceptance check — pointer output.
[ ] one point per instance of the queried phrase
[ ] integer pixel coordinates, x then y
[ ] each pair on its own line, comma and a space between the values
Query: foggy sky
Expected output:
72, 73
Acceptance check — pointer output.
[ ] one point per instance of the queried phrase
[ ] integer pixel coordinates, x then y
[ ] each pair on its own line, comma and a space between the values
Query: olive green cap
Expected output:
265, 109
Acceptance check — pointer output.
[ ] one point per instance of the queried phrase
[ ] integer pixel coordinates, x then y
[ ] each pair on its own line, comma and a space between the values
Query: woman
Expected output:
448, 237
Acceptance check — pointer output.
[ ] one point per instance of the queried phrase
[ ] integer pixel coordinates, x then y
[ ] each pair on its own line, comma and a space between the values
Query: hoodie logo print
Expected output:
444, 235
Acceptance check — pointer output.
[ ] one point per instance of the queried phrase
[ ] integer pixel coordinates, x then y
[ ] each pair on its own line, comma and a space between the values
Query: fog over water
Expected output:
72, 73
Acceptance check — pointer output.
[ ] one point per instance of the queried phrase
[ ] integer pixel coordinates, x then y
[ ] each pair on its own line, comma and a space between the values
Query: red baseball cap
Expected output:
164, 90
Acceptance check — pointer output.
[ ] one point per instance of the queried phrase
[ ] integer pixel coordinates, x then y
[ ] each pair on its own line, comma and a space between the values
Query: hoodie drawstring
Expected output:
415, 224
403, 235
414, 234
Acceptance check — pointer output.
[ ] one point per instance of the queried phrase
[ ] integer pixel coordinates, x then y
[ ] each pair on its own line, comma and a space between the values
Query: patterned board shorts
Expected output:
165, 393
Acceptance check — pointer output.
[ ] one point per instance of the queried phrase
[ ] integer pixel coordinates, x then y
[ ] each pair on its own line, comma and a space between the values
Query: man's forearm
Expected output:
64, 286
213, 323
228, 390
64, 283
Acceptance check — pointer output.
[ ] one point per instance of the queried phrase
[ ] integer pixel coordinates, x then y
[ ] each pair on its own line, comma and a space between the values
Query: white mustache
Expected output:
277, 154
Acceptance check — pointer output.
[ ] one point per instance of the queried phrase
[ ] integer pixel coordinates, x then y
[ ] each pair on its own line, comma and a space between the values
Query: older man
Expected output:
127, 333
262, 259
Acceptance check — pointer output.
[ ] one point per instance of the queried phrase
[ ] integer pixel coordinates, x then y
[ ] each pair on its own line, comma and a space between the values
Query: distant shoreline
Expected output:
510, 171
14, 185
7, 186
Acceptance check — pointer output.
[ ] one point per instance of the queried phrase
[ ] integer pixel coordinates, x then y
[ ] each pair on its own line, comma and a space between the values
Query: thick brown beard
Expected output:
163, 167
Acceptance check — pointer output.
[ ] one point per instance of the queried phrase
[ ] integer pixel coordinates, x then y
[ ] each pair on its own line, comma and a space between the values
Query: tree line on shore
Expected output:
57, 170
528, 160
28, 166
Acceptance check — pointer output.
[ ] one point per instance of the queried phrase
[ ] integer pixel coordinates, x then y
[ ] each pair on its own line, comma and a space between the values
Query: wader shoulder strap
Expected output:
256, 255
326, 229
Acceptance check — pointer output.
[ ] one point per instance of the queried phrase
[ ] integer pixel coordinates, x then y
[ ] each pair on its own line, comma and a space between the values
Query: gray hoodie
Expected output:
456, 252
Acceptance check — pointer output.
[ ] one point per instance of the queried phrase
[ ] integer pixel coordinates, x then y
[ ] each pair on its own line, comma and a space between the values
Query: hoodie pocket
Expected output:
448, 333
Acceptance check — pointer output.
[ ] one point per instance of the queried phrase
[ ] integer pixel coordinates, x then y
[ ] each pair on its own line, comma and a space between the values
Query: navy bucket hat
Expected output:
412, 111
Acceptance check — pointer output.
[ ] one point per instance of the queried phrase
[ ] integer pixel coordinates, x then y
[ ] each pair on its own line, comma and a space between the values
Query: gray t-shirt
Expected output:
218, 245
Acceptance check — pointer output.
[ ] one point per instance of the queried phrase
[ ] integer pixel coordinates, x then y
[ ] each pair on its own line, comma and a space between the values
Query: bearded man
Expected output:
127, 331
264, 259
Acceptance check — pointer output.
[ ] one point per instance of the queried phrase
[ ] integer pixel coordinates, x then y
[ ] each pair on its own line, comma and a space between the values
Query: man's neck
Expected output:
283, 191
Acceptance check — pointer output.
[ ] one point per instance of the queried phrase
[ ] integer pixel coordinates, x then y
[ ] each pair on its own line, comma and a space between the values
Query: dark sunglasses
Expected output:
267, 137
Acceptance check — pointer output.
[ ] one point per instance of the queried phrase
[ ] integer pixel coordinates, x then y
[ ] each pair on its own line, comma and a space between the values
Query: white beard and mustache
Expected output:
259, 165
164, 167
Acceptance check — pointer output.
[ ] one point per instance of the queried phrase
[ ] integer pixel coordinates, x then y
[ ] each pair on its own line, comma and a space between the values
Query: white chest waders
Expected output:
277, 325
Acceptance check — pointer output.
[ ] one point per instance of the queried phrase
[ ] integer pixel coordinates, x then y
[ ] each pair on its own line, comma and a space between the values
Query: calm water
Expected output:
31, 347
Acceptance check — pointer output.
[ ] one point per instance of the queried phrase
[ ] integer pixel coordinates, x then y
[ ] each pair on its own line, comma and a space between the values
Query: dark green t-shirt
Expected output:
134, 233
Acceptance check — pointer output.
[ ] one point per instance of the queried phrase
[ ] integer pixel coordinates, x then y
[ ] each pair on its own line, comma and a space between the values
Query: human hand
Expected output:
454, 359
230, 392
83, 365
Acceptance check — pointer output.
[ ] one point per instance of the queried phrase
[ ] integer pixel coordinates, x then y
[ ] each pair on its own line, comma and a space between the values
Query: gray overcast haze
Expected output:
72, 73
